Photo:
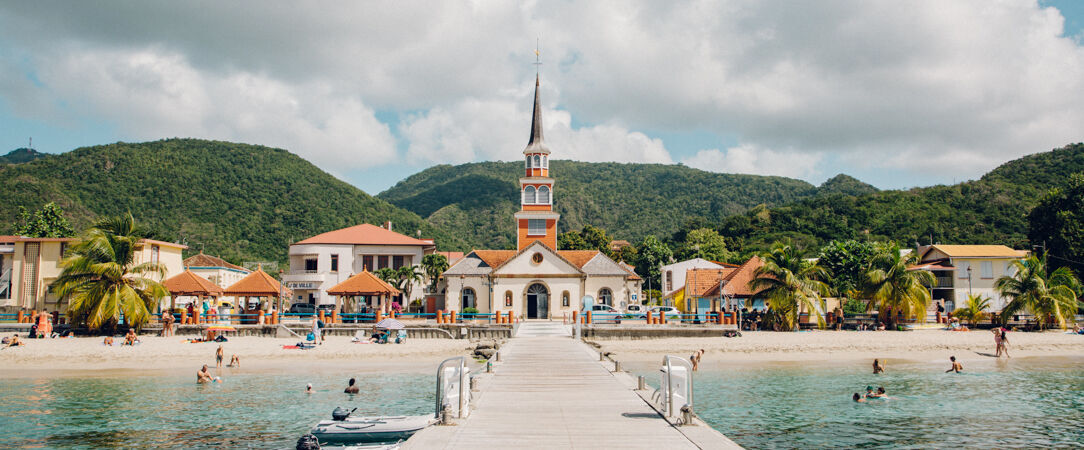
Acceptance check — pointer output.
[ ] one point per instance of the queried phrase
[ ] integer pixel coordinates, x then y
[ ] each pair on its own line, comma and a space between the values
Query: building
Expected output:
35, 263
710, 289
325, 260
215, 269
673, 275
535, 281
963, 269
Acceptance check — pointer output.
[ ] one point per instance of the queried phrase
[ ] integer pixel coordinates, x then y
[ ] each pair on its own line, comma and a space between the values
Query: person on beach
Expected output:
167, 324
191, 311
858, 398
997, 342
956, 367
130, 338
234, 362
218, 357
877, 367
695, 359
351, 388
204, 376
316, 330
940, 310
14, 341
45, 324
108, 341
1003, 342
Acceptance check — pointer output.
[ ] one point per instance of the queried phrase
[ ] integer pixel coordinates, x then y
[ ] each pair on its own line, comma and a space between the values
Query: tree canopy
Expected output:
47, 222
1057, 223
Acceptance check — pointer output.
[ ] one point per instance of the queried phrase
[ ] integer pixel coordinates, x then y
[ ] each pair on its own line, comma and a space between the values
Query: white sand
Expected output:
78, 355
829, 346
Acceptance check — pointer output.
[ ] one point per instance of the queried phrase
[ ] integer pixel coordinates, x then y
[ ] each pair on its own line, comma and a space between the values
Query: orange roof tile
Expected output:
699, 281
578, 257
188, 283
202, 260
452, 256
494, 258
365, 234
167, 244
257, 284
737, 281
364, 283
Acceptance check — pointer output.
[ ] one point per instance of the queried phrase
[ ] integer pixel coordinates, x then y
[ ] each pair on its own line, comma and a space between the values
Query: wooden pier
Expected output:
550, 391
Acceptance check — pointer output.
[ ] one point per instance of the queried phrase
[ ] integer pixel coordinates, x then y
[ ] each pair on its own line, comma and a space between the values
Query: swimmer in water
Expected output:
351, 388
877, 367
308, 388
879, 394
956, 367
204, 376
858, 398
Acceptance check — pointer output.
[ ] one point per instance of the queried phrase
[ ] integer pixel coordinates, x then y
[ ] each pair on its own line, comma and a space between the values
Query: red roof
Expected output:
737, 280
188, 283
364, 283
365, 234
453, 257
257, 284
202, 260
494, 258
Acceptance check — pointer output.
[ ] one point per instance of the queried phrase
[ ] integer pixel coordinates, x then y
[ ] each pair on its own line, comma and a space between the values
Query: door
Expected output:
537, 302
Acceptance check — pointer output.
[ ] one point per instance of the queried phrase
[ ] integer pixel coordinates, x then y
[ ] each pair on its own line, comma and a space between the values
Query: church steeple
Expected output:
536, 220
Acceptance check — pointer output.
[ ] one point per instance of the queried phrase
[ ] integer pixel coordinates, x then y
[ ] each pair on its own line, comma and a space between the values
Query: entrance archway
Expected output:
538, 304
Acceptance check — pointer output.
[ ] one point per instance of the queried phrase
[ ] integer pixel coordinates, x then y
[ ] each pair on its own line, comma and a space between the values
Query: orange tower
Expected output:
536, 220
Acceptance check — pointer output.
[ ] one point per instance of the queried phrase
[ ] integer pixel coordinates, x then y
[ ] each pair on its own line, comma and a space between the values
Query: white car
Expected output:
634, 309
670, 311
605, 314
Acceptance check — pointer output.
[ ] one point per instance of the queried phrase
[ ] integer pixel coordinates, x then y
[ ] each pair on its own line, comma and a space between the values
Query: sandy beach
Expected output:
829, 346
81, 356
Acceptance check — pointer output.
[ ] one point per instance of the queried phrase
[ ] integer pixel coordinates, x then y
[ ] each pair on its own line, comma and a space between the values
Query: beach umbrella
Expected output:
221, 328
390, 324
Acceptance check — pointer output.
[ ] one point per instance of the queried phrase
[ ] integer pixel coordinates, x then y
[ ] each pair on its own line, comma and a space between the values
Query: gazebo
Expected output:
188, 284
260, 285
363, 284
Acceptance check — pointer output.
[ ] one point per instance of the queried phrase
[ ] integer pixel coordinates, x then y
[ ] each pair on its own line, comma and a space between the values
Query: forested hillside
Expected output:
21, 155
476, 201
235, 200
990, 210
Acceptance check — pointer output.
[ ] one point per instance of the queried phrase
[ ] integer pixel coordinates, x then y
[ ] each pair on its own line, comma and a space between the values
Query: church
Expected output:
536, 281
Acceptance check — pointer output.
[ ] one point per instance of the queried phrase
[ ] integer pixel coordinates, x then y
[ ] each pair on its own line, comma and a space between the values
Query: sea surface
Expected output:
244, 411
1025, 402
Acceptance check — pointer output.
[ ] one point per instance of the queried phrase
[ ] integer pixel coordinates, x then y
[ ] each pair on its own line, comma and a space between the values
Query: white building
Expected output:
673, 275
324, 260
967, 269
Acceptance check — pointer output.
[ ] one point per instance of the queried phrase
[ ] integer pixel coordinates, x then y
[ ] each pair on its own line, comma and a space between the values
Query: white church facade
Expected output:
536, 281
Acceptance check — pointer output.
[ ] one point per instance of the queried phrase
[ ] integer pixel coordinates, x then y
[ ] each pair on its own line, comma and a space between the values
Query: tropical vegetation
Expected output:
434, 265
893, 289
47, 222
1050, 295
103, 281
790, 283
1056, 224
974, 311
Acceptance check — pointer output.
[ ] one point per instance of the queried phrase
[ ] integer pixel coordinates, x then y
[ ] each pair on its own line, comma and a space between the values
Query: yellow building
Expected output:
964, 269
30, 264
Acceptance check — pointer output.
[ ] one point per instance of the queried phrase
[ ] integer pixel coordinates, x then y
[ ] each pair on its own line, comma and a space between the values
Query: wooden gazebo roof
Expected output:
363, 283
188, 283
257, 284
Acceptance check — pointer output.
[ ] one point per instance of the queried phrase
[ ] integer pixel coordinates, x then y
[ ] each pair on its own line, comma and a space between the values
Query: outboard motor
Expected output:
308, 442
341, 413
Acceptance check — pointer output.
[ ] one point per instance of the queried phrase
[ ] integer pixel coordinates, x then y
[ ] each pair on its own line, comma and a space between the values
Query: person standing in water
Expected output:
1003, 342
351, 388
956, 367
877, 367
218, 356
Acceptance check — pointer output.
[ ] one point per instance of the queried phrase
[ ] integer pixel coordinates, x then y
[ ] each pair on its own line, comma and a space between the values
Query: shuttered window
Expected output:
536, 227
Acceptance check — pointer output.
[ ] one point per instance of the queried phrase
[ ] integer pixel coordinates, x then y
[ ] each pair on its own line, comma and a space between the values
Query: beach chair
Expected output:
400, 337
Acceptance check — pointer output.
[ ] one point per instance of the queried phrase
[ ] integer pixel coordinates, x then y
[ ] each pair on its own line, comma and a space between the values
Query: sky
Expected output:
897, 94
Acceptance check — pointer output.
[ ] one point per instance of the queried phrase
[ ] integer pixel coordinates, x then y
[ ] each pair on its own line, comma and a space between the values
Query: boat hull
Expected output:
356, 430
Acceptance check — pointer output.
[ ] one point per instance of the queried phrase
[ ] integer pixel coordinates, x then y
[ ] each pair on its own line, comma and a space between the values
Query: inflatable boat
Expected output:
344, 429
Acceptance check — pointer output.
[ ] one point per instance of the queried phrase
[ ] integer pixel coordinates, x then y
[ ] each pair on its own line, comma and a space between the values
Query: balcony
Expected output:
943, 283
305, 276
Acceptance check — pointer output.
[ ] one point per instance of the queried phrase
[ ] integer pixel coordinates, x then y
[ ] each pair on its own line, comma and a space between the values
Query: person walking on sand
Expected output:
956, 367
45, 324
316, 330
1003, 342
351, 388
218, 357
877, 367
997, 342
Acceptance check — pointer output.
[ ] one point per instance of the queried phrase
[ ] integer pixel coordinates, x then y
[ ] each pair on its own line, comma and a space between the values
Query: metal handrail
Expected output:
440, 384
667, 361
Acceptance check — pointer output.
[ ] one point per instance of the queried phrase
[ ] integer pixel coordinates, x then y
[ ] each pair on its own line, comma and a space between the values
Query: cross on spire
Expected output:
537, 56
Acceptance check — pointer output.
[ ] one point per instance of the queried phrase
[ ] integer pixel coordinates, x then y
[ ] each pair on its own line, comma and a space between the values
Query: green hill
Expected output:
21, 155
990, 210
845, 184
235, 200
477, 200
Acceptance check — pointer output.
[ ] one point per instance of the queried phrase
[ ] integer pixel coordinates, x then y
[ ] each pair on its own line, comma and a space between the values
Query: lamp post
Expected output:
969, 279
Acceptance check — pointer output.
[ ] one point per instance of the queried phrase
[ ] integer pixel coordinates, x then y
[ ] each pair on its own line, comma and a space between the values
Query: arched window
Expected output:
507, 298
528, 161
468, 299
605, 296
544, 195
529, 196
537, 162
545, 162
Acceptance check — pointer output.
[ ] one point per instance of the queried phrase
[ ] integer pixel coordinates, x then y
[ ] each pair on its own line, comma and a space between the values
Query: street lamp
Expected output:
968, 279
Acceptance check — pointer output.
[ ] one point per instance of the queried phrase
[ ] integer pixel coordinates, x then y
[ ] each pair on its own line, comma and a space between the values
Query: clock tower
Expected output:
536, 220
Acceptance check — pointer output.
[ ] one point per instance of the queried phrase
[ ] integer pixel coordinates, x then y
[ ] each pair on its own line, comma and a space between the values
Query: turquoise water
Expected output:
1022, 403
246, 411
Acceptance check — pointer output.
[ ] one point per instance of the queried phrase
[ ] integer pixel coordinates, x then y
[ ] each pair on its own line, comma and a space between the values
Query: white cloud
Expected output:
751, 159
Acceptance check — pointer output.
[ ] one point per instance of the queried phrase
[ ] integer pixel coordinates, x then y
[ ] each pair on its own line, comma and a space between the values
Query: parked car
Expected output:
634, 310
605, 314
670, 311
302, 308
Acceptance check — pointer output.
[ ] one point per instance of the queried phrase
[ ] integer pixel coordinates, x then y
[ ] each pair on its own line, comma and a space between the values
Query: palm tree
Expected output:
894, 289
975, 310
434, 265
1050, 296
790, 283
408, 275
102, 280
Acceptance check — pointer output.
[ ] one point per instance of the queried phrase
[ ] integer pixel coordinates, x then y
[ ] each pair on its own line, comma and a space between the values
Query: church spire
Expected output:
536, 144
